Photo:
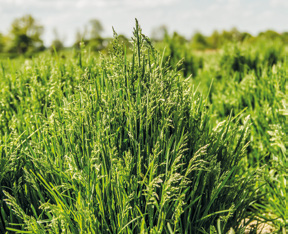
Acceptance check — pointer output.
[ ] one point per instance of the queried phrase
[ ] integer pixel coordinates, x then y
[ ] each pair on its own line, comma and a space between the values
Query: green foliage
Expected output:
25, 35
177, 54
159, 33
123, 144
218, 39
270, 35
96, 44
199, 42
56, 45
254, 79
277, 176
96, 28
2, 43
94, 41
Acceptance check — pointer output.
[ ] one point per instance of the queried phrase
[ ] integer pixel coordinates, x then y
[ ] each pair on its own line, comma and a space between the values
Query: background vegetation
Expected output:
24, 38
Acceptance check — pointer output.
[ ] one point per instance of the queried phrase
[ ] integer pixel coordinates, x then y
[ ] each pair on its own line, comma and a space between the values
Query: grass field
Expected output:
141, 141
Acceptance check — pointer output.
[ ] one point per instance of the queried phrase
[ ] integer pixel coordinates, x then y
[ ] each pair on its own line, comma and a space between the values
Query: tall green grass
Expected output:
254, 79
118, 144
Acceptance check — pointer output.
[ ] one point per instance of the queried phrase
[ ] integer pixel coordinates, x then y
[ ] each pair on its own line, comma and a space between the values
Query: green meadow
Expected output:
146, 138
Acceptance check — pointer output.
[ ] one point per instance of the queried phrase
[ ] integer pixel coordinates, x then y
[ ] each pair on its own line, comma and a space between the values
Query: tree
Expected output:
214, 40
199, 41
159, 33
226, 36
95, 41
1, 42
245, 36
96, 28
284, 36
26, 35
57, 43
79, 36
239, 36
270, 34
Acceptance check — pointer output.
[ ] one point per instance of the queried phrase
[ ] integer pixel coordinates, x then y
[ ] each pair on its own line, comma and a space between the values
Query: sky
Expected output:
184, 16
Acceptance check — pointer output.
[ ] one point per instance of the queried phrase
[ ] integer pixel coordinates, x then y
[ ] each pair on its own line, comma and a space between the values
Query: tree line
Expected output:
25, 37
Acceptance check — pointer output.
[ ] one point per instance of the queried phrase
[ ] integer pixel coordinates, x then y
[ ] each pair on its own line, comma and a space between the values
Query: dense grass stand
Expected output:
124, 143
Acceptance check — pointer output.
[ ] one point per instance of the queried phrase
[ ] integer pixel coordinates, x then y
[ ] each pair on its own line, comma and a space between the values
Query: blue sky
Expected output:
184, 16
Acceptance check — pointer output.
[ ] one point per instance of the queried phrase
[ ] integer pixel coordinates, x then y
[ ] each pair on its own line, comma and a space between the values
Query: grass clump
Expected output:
118, 145
257, 89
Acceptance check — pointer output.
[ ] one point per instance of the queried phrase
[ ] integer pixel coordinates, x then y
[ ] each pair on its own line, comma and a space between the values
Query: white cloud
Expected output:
149, 3
266, 14
279, 3
89, 3
98, 3
227, 6
60, 4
